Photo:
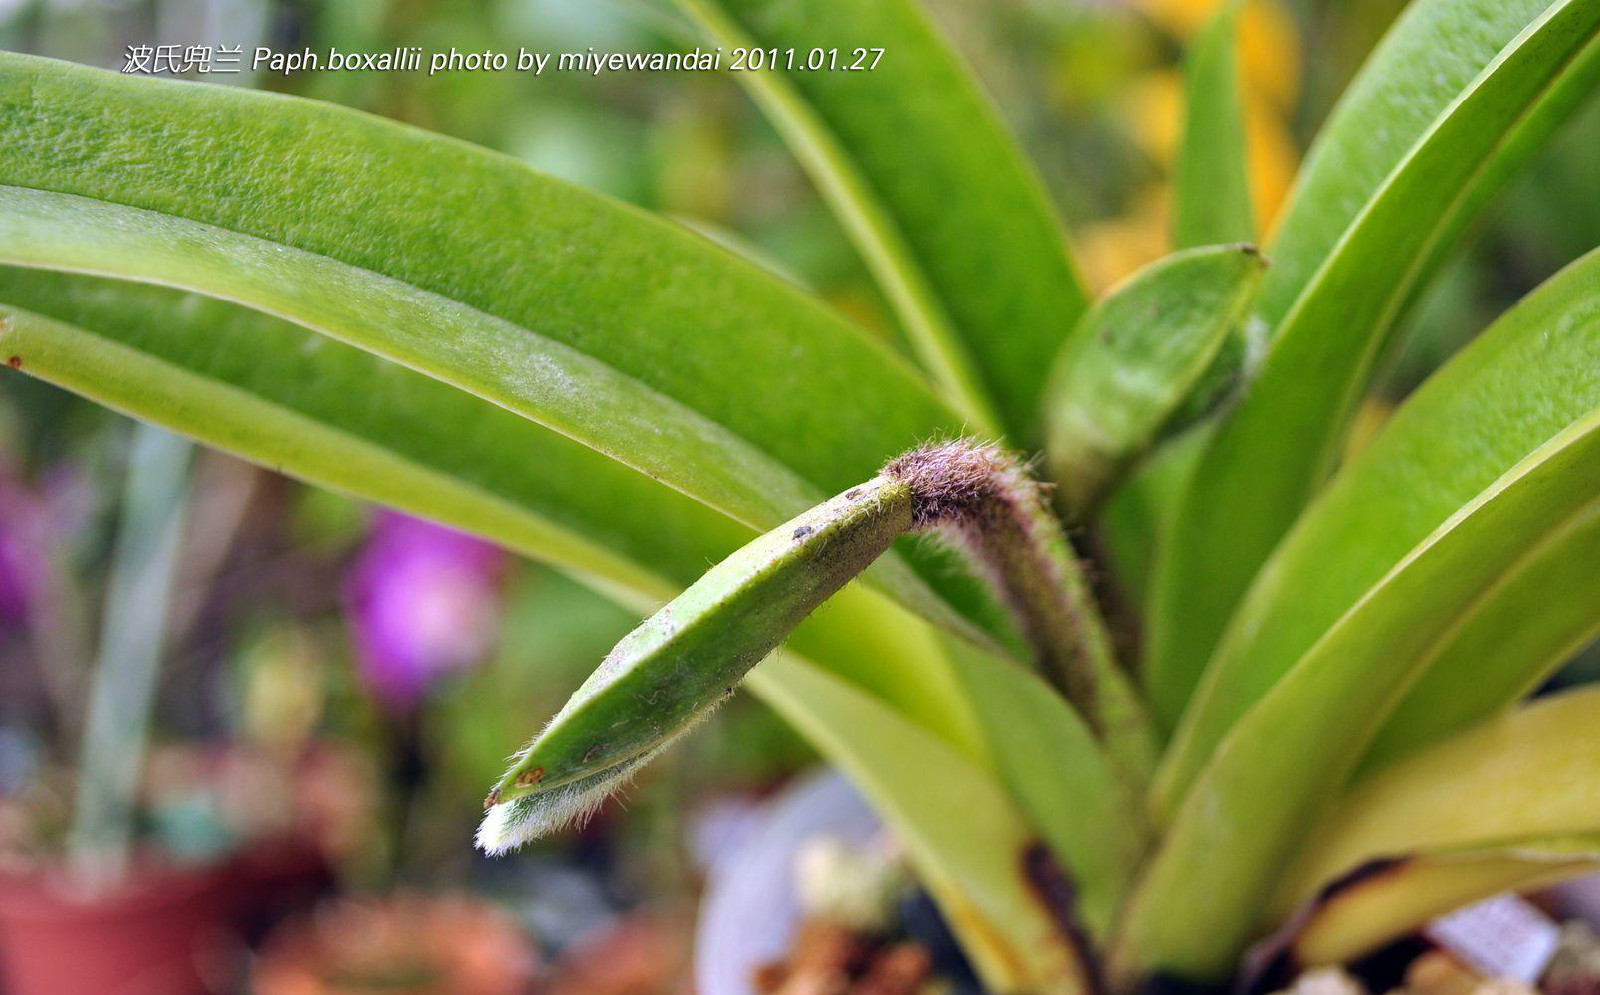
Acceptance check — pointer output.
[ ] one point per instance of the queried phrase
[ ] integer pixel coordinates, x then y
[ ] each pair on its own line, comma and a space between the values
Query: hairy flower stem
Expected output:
673, 669
984, 499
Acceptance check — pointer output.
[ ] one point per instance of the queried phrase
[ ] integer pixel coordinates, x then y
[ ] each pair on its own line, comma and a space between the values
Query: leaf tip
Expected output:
1253, 251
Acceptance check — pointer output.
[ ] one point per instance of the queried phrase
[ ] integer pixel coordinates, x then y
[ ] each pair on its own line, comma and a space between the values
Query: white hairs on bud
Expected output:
512, 824
509, 825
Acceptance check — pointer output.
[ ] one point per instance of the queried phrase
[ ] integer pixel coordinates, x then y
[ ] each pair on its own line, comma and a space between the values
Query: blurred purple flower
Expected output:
422, 601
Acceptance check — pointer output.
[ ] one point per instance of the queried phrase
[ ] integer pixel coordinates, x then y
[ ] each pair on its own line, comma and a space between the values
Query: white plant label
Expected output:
1503, 937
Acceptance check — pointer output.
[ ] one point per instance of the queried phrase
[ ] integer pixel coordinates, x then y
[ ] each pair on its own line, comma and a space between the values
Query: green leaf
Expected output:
945, 210
1520, 383
681, 662
1276, 447
1133, 523
971, 847
1527, 775
289, 399
621, 331
1426, 59
1211, 177
1211, 194
1202, 899
1133, 360
1530, 624
338, 417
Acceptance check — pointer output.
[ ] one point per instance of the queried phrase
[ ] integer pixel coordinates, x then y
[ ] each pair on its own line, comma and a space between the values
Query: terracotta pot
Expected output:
164, 931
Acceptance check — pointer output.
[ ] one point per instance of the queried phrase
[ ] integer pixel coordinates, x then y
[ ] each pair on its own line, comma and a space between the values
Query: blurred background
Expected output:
336, 685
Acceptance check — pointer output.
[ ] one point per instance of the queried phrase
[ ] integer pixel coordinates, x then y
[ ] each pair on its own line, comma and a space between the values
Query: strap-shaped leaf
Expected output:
959, 827
1530, 624
1202, 899
1521, 382
1276, 447
341, 418
1211, 175
1391, 899
924, 177
1527, 775
1134, 520
1133, 361
1425, 60
285, 397
624, 332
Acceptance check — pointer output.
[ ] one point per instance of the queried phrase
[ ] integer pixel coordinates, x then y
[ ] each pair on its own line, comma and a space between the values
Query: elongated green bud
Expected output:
1136, 359
682, 661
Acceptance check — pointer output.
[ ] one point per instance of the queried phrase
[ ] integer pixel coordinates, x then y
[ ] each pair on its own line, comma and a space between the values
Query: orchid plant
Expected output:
1333, 642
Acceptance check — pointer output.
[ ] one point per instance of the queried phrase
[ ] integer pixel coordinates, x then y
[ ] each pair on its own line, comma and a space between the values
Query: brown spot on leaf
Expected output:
1375, 868
491, 799
529, 778
15, 362
588, 755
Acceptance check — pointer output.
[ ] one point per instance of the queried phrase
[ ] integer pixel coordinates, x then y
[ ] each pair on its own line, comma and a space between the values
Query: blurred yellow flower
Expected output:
1269, 46
1152, 108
